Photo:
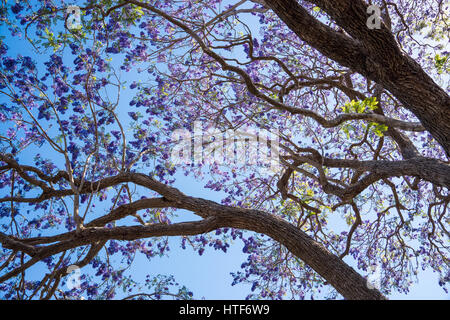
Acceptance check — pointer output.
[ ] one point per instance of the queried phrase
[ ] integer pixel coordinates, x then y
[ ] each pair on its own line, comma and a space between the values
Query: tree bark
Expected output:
334, 270
375, 55
342, 277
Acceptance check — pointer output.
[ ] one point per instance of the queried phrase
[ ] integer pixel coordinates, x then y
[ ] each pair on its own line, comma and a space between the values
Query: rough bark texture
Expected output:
375, 55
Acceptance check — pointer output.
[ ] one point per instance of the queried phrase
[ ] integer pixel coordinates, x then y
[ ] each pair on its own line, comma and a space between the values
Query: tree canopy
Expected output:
110, 94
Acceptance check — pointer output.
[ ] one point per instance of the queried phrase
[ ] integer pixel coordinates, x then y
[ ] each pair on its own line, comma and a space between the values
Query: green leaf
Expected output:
360, 106
439, 63
379, 129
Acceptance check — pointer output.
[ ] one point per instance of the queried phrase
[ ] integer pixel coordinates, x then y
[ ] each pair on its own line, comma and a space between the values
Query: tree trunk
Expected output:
375, 55
341, 276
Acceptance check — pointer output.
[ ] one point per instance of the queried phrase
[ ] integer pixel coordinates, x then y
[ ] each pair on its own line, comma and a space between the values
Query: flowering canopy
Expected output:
86, 134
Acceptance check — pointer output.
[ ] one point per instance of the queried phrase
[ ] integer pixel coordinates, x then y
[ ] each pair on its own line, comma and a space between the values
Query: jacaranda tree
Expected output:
355, 93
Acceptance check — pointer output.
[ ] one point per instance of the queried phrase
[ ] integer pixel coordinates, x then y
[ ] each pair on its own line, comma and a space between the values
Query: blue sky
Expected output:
208, 275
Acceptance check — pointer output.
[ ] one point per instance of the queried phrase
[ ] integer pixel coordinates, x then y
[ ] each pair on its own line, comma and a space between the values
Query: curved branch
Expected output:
346, 280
